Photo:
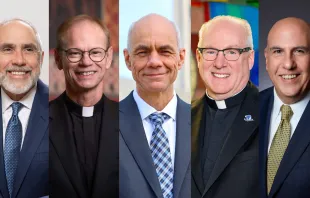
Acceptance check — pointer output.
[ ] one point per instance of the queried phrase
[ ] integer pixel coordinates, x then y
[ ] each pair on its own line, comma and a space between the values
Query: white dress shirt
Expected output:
169, 125
297, 108
23, 114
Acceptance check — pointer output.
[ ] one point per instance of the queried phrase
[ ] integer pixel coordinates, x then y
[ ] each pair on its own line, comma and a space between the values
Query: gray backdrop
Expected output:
271, 11
36, 12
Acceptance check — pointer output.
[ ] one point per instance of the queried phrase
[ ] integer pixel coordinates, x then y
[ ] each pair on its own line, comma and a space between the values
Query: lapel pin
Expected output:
248, 118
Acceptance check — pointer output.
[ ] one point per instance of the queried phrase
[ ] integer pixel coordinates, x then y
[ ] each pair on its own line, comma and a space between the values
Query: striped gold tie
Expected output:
279, 145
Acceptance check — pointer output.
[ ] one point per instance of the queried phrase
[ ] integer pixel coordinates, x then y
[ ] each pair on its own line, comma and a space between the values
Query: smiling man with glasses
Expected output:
225, 119
83, 122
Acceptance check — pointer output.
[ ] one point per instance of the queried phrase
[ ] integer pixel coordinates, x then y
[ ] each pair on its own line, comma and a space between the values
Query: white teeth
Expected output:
289, 76
87, 73
221, 75
18, 73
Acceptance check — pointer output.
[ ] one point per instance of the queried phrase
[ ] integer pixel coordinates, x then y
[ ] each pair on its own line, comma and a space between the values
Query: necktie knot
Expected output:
158, 118
16, 106
286, 112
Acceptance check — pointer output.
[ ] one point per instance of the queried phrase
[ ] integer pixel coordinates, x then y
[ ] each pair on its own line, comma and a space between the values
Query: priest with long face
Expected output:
83, 121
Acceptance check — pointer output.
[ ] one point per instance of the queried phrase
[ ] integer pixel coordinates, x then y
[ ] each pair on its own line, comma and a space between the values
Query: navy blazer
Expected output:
293, 177
138, 176
31, 179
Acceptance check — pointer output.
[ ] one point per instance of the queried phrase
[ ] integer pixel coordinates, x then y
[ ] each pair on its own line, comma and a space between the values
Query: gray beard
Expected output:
9, 85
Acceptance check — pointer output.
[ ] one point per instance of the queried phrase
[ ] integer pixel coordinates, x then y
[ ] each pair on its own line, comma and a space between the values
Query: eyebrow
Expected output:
10, 45
27, 45
166, 47
294, 48
141, 47
227, 47
30, 45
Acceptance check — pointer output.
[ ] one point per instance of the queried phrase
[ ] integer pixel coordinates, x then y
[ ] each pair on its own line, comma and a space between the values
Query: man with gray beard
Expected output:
24, 107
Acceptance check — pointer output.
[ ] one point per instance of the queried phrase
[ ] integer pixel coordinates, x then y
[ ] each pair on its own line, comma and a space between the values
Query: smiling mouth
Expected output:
85, 73
220, 75
289, 76
18, 73
154, 75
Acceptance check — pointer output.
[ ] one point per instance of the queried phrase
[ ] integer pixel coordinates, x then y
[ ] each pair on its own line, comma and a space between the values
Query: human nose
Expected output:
19, 58
220, 60
289, 61
154, 60
85, 60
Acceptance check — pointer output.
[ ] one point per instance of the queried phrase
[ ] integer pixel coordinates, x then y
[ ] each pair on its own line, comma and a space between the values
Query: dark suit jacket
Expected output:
235, 172
31, 178
65, 176
138, 176
293, 177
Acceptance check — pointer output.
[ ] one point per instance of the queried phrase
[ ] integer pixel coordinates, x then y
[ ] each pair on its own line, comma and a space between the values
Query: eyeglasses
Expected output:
74, 55
231, 54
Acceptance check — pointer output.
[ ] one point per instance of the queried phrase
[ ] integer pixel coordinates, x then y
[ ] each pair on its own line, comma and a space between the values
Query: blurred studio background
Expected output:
107, 10
175, 10
204, 10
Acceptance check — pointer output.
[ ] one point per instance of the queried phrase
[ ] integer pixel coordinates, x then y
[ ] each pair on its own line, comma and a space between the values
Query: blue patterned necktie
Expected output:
161, 154
13, 139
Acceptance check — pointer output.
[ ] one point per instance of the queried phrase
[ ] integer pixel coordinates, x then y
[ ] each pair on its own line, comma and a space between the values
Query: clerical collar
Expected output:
84, 111
227, 103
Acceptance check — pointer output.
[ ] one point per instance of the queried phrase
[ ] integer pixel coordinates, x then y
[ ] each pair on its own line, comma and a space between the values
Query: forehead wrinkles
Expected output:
153, 36
85, 33
17, 33
225, 33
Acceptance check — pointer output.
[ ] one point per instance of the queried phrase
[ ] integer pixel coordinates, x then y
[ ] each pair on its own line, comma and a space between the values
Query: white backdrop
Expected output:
37, 13
175, 10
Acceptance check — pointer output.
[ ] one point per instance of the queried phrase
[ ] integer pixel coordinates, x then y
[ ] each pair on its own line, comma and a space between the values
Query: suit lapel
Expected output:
109, 132
182, 150
61, 137
197, 129
298, 143
237, 137
266, 105
36, 129
3, 185
135, 139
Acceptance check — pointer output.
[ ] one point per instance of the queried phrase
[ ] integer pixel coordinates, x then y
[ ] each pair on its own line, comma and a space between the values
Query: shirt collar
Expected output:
27, 100
297, 108
227, 103
146, 109
84, 111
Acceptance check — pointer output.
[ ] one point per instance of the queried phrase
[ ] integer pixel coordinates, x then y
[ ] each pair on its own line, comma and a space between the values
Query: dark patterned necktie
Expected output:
161, 154
13, 139
279, 145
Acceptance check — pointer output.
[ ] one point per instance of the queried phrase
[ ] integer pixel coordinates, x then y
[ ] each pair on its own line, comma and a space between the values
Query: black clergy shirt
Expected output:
218, 124
86, 133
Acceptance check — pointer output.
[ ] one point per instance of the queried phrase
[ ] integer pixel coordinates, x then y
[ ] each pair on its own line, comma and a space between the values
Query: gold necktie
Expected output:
279, 145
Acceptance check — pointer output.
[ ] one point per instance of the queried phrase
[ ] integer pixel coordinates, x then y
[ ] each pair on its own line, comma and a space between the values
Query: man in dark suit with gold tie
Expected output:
285, 112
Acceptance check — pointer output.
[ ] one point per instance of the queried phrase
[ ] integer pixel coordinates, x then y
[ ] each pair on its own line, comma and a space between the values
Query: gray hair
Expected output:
30, 25
243, 23
134, 23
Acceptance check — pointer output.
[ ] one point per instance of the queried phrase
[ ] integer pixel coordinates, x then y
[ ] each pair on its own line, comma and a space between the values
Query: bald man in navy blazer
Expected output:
288, 65
154, 58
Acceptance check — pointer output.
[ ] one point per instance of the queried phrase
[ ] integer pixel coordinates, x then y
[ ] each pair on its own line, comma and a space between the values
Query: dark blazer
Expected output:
31, 178
138, 176
235, 172
65, 176
293, 177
